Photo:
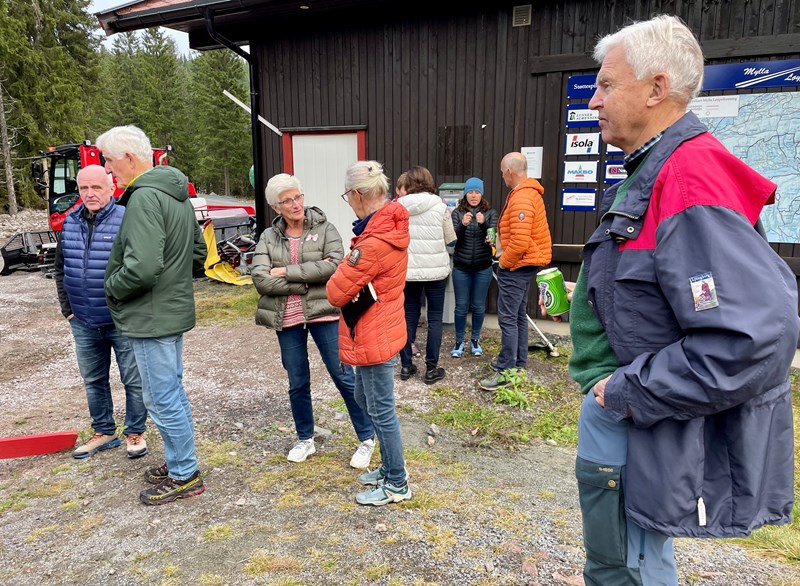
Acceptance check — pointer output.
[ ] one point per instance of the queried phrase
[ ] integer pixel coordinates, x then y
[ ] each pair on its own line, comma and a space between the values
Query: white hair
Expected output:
126, 139
109, 178
662, 44
368, 178
278, 184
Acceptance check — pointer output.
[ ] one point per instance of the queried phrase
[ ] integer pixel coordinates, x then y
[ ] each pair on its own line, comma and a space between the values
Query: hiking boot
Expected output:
170, 489
385, 493
97, 443
475, 346
433, 374
376, 477
458, 349
363, 454
157, 474
407, 372
136, 446
494, 382
301, 450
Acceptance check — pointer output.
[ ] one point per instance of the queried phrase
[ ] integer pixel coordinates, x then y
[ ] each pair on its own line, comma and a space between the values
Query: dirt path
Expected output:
479, 516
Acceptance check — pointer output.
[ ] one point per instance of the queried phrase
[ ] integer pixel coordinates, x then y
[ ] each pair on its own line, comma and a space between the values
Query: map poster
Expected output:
578, 200
764, 134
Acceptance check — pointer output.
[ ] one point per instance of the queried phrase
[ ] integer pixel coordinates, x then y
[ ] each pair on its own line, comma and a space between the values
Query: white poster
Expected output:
612, 150
534, 156
586, 143
715, 106
580, 171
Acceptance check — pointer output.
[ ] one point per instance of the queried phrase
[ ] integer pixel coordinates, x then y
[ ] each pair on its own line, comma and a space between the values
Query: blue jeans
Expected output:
294, 356
434, 294
93, 351
375, 393
161, 368
470, 289
617, 550
512, 303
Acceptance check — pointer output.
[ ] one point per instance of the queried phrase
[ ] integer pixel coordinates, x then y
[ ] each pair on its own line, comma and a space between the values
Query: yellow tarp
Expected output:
216, 268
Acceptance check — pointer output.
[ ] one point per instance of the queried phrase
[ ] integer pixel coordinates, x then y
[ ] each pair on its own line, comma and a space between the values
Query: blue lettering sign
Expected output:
581, 86
742, 76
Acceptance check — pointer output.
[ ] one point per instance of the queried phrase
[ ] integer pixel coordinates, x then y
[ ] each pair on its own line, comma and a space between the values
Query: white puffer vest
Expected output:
427, 252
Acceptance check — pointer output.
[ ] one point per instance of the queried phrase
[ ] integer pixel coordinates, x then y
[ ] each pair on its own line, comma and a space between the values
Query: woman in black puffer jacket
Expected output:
472, 263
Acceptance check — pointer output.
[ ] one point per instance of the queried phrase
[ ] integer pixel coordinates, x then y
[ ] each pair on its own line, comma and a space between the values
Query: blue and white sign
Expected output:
581, 115
739, 76
580, 171
615, 172
581, 86
579, 200
587, 143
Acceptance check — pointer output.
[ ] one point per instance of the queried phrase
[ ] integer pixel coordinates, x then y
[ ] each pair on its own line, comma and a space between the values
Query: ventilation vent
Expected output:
522, 15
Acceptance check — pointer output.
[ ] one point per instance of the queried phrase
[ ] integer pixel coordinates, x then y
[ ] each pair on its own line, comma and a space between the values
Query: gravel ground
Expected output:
479, 515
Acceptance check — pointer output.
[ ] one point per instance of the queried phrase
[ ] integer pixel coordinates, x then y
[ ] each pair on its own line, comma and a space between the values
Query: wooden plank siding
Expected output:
455, 90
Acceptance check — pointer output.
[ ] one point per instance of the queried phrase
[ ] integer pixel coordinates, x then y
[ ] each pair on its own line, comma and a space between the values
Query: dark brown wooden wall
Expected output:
456, 91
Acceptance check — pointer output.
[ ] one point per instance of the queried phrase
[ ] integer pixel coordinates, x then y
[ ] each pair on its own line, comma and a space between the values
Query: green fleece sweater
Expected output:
592, 358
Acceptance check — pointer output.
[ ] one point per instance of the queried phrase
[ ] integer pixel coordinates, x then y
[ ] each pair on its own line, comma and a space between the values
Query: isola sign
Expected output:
585, 143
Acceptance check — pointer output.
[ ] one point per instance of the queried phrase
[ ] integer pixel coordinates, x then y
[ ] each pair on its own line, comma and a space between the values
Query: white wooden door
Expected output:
320, 162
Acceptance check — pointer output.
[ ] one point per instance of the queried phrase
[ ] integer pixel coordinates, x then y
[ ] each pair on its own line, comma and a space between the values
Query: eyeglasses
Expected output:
292, 200
345, 197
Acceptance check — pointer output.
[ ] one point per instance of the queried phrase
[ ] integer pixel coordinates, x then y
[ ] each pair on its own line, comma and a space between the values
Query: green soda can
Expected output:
491, 235
553, 291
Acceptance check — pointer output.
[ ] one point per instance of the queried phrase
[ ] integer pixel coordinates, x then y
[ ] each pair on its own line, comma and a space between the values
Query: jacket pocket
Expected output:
605, 532
642, 317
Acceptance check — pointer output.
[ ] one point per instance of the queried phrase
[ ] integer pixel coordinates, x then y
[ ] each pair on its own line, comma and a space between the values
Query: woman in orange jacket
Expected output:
376, 268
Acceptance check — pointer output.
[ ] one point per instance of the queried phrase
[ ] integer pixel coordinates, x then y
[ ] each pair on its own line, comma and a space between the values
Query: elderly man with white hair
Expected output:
81, 258
148, 284
684, 323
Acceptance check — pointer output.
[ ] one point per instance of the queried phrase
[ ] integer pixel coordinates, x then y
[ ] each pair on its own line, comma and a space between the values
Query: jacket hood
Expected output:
313, 217
419, 203
163, 178
390, 224
530, 183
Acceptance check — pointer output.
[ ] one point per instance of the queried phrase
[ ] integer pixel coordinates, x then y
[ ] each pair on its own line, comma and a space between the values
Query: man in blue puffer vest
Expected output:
81, 259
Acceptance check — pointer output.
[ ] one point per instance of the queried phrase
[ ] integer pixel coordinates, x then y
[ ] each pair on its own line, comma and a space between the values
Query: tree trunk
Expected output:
227, 182
6, 152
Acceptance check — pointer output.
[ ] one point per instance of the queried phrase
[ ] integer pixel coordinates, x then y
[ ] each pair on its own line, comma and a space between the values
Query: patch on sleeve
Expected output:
355, 256
704, 291
521, 216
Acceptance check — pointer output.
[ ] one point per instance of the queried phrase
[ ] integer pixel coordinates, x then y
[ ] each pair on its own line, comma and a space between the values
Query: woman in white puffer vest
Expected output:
431, 231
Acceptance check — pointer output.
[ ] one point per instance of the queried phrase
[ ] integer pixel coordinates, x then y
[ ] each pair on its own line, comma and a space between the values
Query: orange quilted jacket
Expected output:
523, 230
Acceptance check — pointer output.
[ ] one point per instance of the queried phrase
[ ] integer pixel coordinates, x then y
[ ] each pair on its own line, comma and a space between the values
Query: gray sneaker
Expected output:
376, 477
384, 493
494, 382
96, 443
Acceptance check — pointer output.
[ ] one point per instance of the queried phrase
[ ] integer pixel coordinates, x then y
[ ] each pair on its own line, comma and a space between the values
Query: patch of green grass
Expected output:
484, 423
217, 532
513, 396
444, 391
217, 454
21, 421
377, 571
337, 405
211, 580
221, 304
142, 555
37, 533
263, 562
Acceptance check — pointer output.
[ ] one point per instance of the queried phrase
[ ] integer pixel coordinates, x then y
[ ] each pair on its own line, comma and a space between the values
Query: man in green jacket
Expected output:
148, 284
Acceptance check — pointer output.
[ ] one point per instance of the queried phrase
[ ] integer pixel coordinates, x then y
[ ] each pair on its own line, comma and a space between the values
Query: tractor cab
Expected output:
55, 176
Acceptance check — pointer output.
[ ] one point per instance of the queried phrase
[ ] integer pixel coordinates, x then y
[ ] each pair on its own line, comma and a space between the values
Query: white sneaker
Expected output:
363, 455
301, 450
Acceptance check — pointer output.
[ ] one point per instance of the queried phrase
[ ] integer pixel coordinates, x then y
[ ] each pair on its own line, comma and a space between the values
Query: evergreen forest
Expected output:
60, 84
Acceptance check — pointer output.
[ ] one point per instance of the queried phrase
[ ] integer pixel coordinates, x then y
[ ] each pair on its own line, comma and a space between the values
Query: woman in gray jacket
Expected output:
293, 260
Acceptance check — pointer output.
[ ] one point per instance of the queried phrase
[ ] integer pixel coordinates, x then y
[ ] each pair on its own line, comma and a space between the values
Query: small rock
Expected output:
111, 572
380, 528
283, 429
574, 580
339, 416
489, 566
475, 431
551, 442
431, 440
530, 569
511, 547
239, 425
434, 430
232, 453
322, 432
241, 502
711, 575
